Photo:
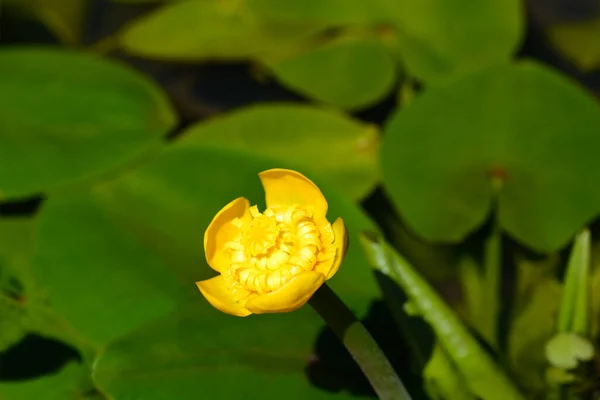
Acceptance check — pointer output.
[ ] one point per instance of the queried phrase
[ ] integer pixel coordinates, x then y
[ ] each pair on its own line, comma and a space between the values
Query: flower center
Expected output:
260, 235
274, 246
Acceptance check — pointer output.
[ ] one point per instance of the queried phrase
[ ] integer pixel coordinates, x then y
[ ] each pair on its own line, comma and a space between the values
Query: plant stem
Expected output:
492, 274
360, 344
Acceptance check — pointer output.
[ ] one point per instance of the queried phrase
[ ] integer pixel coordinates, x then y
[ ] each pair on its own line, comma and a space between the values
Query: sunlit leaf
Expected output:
340, 150
69, 116
348, 73
523, 124
441, 39
199, 30
437, 39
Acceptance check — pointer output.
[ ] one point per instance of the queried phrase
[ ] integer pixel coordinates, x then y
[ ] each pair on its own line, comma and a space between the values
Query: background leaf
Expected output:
349, 72
521, 123
229, 31
530, 329
574, 312
65, 18
579, 42
325, 143
441, 39
437, 39
75, 118
442, 380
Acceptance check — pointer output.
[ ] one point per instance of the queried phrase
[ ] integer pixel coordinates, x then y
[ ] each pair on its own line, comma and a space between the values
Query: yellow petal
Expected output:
217, 293
289, 297
330, 267
286, 187
221, 231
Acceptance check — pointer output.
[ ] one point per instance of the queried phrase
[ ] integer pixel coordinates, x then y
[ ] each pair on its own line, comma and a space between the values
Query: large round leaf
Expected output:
198, 30
68, 116
524, 125
348, 73
216, 356
342, 151
130, 250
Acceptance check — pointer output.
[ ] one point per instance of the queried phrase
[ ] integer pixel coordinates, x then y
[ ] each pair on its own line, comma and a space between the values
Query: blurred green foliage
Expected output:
491, 155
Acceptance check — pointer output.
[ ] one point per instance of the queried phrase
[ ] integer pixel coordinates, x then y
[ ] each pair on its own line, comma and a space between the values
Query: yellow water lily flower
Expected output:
272, 261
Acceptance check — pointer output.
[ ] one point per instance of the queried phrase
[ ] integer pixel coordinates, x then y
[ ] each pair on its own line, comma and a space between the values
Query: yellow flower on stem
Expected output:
272, 261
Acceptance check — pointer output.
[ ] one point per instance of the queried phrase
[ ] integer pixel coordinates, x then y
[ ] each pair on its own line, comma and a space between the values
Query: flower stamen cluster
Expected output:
275, 246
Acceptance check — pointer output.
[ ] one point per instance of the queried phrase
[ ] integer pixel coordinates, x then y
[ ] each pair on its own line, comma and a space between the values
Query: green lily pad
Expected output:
69, 116
199, 30
523, 125
348, 73
126, 252
325, 143
442, 39
437, 39
216, 356
566, 350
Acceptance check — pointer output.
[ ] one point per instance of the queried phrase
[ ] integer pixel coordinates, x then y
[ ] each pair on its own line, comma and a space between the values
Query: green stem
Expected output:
491, 284
360, 344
